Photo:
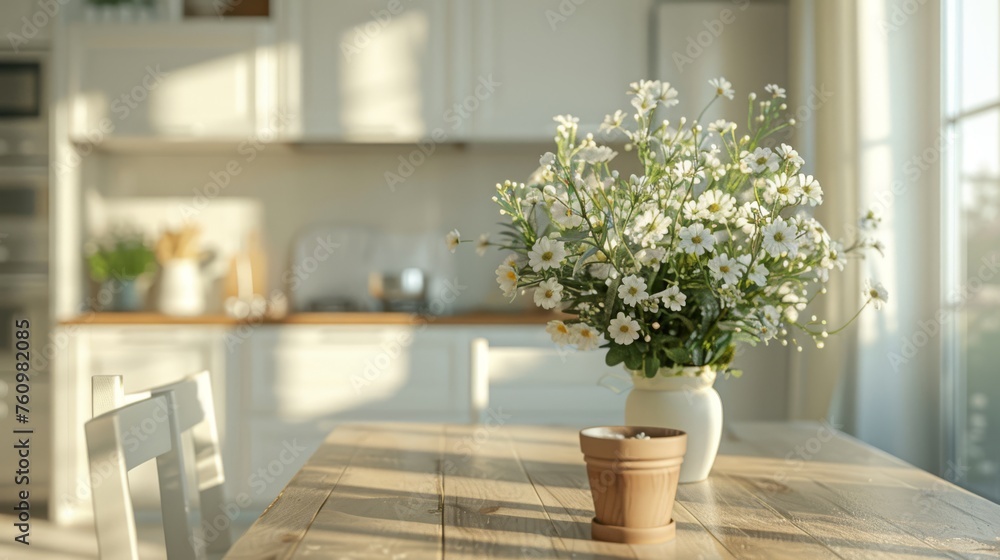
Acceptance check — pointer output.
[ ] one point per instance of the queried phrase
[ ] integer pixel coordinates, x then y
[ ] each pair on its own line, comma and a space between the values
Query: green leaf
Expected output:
737, 373
580, 262
652, 365
615, 355
633, 357
679, 355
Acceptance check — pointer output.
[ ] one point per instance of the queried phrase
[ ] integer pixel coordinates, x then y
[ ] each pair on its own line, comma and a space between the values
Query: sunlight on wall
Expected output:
380, 86
229, 79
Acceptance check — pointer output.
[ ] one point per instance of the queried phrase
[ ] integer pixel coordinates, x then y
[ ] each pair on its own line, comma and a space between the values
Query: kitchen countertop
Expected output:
353, 318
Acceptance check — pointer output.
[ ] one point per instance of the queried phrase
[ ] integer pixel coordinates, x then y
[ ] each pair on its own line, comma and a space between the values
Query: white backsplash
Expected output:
301, 189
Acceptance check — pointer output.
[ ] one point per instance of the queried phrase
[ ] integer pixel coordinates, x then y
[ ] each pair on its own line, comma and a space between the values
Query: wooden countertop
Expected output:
360, 318
777, 491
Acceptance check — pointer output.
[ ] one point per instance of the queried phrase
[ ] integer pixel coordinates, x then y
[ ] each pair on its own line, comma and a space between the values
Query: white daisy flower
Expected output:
546, 253
507, 278
651, 255
548, 294
775, 91
686, 171
780, 238
757, 274
870, 220
749, 215
560, 332
585, 337
722, 126
761, 160
770, 318
650, 226
673, 299
596, 154
722, 87
782, 188
632, 290
564, 214
876, 293
483, 244
452, 240
614, 121
725, 269
812, 192
511, 260
787, 153
716, 205
623, 330
696, 239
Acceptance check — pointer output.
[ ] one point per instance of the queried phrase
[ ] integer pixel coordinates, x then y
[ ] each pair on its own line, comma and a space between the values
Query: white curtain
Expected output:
874, 141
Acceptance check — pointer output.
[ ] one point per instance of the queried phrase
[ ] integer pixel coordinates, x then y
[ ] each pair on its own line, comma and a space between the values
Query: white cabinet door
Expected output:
533, 381
549, 57
365, 70
145, 357
191, 81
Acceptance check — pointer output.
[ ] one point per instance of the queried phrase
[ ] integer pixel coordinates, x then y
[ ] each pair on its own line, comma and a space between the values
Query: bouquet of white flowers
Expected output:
710, 247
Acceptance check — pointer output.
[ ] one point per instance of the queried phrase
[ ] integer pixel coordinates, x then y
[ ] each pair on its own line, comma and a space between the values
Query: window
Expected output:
971, 205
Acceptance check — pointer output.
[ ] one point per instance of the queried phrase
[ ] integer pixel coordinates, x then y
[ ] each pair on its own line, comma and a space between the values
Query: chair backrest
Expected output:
117, 442
196, 416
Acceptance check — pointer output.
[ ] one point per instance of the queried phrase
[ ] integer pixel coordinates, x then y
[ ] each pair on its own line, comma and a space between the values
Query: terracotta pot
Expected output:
633, 481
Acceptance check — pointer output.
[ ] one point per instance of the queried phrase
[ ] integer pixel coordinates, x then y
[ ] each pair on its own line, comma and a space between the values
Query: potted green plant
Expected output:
114, 264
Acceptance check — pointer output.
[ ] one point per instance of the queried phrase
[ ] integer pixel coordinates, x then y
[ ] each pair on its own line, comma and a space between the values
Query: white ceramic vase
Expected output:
181, 290
682, 399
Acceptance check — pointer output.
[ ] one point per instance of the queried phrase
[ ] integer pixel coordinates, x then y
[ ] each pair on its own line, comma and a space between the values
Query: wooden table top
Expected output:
778, 490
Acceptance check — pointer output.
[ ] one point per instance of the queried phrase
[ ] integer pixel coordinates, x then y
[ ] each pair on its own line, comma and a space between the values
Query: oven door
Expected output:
24, 211
23, 108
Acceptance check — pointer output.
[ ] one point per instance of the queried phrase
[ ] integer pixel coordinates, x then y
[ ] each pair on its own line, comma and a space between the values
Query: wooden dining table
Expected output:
777, 490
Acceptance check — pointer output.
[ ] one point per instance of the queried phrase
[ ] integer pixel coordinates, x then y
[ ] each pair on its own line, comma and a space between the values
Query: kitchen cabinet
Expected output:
27, 24
146, 357
546, 58
301, 381
366, 70
204, 81
533, 381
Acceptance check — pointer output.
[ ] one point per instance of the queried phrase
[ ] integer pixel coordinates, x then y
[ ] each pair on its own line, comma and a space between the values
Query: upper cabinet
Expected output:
203, 81
365, 70
362, 71
542, 58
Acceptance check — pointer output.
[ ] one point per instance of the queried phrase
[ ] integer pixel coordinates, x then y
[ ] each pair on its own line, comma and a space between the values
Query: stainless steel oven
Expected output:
24, 222
24, 138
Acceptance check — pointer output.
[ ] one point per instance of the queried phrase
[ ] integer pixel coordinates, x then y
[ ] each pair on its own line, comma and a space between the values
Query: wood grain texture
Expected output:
778, 490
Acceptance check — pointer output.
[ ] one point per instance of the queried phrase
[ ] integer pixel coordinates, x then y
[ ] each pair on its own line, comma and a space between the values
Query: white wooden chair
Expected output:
196, 416
117, 442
